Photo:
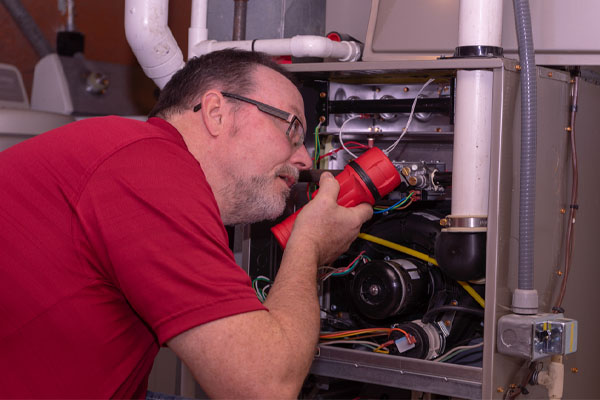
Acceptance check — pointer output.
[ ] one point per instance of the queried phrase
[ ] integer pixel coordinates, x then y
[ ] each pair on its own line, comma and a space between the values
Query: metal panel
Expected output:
268, 19
564, 32
401, 372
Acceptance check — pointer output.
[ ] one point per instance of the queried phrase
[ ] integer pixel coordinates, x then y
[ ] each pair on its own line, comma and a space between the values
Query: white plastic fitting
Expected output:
525, 301
553, 379
297, 46
151, 40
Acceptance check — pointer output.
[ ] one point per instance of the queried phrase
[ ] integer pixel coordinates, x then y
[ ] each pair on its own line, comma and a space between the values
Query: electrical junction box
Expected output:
536, 336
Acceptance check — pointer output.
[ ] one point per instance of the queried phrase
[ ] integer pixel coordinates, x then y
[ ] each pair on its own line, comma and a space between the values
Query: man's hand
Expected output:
327, 226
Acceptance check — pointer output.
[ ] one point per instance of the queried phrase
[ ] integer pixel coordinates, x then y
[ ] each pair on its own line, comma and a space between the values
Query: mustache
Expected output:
288, 170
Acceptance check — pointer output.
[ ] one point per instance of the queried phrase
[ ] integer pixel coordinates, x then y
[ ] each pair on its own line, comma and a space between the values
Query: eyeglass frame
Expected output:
270, 110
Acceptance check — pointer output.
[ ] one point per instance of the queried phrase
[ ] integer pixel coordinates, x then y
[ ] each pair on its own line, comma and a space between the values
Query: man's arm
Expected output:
264, 354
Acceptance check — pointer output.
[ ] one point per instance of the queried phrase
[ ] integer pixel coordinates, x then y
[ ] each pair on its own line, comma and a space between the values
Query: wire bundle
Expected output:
345, 270
400, 205
356, 337
261, 293
461, 353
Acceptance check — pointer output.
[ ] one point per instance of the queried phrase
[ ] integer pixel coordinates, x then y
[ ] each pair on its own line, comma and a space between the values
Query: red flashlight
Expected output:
364, 180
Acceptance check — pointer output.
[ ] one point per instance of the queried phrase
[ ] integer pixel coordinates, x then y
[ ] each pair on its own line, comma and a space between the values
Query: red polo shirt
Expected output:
111, 243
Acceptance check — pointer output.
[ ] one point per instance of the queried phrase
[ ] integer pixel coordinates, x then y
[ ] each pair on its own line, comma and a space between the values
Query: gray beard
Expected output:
253, 199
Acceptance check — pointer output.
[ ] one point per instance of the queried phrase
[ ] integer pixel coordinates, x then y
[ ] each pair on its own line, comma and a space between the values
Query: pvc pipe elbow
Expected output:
553, 379
318, 46
151, 39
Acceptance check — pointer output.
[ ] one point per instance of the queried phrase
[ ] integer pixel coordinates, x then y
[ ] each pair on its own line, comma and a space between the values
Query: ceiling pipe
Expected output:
239, 19
151, 39
28, 27
198, 31
297, 46
159, 55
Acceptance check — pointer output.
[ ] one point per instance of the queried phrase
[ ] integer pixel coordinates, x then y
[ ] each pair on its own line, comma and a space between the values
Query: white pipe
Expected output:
472, 138
198, 30
480, 23
151, 39
297, 46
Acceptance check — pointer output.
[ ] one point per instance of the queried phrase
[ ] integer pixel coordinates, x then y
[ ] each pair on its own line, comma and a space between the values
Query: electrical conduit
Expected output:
525, 299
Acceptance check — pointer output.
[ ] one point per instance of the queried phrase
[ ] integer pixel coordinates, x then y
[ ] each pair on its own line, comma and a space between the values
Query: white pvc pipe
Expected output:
198, 30
297, 46
472, 138
480, 23
151, 39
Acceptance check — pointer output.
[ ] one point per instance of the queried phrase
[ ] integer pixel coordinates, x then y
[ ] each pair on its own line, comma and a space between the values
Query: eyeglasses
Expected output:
295, 131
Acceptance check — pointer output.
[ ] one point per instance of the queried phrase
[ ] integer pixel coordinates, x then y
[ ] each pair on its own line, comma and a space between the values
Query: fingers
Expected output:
328, 185
364, 212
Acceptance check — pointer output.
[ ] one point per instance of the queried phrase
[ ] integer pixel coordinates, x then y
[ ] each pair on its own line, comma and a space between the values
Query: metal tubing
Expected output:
239, 19
28, 27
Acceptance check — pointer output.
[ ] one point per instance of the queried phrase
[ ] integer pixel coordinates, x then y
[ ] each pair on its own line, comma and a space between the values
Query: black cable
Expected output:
434, 311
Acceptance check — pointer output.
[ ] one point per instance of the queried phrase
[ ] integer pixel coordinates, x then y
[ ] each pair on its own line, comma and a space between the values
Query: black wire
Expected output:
434, 311
463, 355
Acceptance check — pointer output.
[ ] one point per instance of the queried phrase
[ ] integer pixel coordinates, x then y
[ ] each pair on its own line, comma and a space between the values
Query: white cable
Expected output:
340, 135
410, 117
458, 348
361, 342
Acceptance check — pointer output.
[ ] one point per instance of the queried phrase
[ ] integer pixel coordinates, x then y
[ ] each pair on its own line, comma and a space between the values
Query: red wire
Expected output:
339, 149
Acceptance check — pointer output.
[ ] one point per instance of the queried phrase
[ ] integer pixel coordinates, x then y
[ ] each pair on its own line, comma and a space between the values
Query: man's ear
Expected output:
213, 112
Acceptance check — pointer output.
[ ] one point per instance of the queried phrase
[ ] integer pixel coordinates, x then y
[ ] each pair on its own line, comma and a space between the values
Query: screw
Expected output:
443, 222
322, 95
568, 129
438, 129
454, 303
549, 74
563, 210
513, 386
559, 273
377, 90
405, 171
518, 67
447, 322
406, 89
500, 389
574, 370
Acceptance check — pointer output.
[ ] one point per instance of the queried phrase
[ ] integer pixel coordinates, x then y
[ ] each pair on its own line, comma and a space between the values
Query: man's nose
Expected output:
301, 159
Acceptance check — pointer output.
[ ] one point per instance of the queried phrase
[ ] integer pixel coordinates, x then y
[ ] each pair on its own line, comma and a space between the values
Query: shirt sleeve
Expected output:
155, 233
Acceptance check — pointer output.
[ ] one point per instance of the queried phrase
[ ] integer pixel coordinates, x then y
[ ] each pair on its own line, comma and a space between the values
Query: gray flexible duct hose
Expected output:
528, 142
28, 27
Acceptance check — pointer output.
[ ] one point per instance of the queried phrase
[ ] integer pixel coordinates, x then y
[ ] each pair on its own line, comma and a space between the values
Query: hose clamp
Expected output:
463, 222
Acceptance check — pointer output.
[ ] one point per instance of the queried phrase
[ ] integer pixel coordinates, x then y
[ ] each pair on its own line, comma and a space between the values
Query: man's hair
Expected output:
229, 70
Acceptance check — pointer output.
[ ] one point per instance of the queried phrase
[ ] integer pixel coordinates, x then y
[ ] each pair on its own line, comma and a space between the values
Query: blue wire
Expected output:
398, 204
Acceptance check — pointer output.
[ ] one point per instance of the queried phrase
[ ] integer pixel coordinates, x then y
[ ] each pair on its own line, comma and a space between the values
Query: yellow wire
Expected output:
398, 247
421, 256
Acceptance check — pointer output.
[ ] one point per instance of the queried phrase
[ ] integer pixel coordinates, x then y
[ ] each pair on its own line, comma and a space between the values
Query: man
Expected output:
112, 242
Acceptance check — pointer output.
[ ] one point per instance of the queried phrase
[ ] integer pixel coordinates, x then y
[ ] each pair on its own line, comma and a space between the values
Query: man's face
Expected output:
264, 164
